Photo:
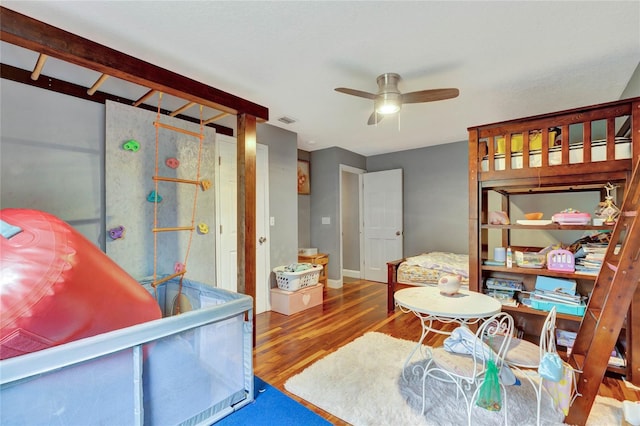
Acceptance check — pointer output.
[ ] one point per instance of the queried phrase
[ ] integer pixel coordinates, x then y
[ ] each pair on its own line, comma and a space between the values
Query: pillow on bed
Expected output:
442, 261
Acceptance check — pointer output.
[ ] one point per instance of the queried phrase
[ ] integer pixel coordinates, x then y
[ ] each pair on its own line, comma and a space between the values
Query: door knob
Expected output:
398, 233
261, 240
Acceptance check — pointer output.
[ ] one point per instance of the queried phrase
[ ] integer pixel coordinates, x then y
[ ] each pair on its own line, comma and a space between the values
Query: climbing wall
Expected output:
129, 167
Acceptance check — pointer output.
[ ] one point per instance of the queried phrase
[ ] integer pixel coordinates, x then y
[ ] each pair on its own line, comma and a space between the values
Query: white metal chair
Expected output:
524, 355
467, 371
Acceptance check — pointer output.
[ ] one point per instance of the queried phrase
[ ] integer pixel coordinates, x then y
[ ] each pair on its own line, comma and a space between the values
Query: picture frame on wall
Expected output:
304, 181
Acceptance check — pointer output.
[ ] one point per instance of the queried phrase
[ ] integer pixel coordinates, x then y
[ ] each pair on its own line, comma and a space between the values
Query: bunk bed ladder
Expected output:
610, 300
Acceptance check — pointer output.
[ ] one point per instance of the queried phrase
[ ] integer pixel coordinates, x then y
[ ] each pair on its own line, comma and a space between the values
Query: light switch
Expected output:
326, 220
272, 221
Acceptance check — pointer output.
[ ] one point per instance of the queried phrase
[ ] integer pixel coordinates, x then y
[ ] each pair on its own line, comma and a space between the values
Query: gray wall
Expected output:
52, 156
436, 196
52, 159
350, 221
325, 201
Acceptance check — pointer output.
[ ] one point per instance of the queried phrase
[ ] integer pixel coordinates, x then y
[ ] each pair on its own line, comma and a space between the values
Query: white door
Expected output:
226, 223
382, 222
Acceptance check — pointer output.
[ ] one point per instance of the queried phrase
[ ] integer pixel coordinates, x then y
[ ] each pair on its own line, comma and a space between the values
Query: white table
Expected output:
464, 308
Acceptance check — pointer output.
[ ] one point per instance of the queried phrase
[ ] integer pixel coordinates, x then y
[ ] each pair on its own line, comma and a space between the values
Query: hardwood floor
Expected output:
286, 345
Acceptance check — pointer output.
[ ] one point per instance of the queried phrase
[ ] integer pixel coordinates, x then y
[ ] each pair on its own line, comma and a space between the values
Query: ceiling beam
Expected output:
43, 38
19, 75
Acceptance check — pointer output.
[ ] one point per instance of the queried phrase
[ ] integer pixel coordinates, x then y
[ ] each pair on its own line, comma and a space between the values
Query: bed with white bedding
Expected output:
425, 269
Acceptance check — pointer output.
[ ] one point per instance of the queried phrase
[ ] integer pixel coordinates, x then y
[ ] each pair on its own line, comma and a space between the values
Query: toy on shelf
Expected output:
607, 210
560, 260
498, 218
571, 217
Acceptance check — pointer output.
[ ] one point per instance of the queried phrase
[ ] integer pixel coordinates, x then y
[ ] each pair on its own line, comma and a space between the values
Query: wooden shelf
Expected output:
540, 271
522, 309
550, 227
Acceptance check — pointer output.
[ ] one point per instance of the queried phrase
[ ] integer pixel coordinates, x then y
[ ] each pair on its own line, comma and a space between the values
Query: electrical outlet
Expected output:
326, 220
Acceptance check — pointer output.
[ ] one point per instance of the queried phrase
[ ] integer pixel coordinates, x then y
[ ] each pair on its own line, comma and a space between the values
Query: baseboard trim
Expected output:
334, 283
350, 273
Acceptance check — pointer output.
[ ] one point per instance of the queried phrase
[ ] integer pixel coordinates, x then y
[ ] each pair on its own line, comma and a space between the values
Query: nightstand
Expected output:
317, 259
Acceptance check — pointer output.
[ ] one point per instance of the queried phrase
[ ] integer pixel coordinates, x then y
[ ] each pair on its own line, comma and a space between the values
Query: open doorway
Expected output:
350, 222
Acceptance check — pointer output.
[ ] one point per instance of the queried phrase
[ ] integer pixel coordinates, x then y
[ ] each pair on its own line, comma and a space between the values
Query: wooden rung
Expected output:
42, 58
170, 277
174, 228
97, 84
144, 97
177, 129
215, 118
170, 179
182, 108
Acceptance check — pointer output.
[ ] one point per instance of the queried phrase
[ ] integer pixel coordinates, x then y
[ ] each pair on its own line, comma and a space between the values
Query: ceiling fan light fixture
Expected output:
388, 103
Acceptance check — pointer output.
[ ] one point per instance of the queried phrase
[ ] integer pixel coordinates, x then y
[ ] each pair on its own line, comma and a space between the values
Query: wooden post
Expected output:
247, 208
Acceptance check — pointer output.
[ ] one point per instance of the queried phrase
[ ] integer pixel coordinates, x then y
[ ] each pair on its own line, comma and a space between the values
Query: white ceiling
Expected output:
509, 59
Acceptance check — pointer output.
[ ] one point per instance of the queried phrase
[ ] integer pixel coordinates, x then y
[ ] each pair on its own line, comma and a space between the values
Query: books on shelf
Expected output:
503, 284
556, 296
505, 297
503, 290
567, 338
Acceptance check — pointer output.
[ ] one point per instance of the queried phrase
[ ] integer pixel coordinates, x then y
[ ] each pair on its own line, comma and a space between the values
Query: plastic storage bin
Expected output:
563, 308
193, 368
292, 281
289, 303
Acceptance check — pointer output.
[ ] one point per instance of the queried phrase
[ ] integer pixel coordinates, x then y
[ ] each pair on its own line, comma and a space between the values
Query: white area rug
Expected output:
362, 384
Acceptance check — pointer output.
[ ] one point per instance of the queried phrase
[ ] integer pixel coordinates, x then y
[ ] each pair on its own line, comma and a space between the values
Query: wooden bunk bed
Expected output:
568, 152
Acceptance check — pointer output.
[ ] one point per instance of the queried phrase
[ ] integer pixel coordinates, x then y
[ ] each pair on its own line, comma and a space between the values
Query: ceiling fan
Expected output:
389, 100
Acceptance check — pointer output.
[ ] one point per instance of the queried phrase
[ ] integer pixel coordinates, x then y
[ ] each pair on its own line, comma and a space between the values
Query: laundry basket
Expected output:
292, 281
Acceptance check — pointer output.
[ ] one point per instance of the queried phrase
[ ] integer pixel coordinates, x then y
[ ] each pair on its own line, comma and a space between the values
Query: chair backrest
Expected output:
547, 334
501, 324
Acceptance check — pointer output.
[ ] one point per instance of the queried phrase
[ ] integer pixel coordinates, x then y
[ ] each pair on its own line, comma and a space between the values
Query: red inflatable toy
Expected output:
56, 286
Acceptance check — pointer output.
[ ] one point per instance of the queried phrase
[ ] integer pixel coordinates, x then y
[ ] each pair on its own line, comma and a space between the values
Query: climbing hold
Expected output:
154, 198
172, 162
131, 145
116, 233
205, 184
178, 267
203, 228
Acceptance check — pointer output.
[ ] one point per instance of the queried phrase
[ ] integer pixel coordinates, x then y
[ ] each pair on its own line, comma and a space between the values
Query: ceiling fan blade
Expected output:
429, 95
372, 118
355, 92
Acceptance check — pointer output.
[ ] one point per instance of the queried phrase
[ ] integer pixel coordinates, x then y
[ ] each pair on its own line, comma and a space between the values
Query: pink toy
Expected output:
560, 260
571, 217
56, 286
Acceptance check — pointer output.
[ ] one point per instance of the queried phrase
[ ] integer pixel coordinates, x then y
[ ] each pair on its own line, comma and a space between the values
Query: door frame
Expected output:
262, 302
359, 172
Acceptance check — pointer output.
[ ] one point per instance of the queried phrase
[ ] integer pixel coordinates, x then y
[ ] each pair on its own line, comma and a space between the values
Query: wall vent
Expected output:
287, 120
